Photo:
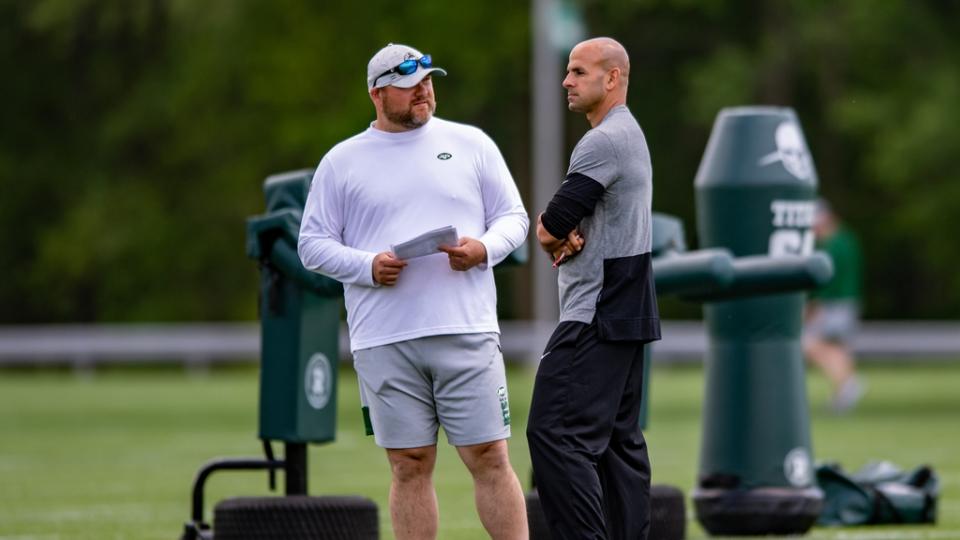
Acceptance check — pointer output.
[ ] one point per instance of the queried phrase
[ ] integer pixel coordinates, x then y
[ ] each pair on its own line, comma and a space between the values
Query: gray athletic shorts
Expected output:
835, 320
410, 388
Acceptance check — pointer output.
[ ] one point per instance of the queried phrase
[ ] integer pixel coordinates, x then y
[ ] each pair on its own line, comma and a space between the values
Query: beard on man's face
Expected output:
406, 116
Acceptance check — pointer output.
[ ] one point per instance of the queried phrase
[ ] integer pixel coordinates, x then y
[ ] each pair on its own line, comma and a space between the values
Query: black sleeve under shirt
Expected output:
575, 199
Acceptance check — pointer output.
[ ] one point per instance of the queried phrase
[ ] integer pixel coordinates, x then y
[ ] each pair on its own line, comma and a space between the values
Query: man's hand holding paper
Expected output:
463, 253
427, 243
469, 253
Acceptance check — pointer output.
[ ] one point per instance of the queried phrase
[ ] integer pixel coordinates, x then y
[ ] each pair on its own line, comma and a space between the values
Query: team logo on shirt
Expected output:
443, 156
504, 405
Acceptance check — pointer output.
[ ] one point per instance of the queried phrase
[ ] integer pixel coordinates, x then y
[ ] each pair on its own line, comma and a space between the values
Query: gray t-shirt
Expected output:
612, 277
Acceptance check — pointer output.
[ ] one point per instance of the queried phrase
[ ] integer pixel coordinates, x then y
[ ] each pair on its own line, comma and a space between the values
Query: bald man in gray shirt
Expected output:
589, 457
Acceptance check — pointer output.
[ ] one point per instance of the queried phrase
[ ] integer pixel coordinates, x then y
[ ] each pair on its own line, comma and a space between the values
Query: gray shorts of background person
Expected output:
835, 320
413, 387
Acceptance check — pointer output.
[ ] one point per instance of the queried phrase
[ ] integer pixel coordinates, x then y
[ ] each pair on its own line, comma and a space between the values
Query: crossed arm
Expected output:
559, 249
558, 228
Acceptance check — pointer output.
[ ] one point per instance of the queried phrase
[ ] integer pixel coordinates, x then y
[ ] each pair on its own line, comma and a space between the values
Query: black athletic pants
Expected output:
589, 457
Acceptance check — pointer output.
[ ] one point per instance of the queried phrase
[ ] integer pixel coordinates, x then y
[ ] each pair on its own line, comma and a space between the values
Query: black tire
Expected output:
296, 518
536, 521
668, 519
668, 516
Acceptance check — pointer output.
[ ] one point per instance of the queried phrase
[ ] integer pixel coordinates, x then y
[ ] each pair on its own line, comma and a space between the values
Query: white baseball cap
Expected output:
384, 67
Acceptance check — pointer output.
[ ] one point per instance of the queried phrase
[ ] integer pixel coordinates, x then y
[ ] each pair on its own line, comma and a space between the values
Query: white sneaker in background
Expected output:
849, 395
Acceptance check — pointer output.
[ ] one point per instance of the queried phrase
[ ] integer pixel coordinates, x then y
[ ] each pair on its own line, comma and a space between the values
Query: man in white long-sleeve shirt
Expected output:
423, 331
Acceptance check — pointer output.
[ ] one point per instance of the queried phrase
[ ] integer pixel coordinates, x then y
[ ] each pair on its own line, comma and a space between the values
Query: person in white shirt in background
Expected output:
423, 331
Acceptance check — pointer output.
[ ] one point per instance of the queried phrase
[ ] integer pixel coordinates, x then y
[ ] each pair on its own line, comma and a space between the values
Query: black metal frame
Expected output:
294, 466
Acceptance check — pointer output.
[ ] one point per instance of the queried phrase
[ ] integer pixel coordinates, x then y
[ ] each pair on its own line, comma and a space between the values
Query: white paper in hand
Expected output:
426, 243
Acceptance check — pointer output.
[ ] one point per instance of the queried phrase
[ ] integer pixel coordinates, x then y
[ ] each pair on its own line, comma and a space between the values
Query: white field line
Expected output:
897, 534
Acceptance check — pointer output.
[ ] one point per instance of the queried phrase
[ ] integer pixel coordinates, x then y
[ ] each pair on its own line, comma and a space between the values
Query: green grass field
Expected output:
112, 456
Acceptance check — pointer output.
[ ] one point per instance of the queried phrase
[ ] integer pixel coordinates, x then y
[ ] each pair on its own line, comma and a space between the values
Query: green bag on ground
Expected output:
878, 493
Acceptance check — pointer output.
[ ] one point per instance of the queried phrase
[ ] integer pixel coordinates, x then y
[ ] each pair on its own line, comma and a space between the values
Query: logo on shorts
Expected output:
318, 381
443, 156
504, 404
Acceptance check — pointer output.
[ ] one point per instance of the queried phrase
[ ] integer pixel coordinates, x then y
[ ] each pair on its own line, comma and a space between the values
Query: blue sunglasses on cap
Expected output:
407, 67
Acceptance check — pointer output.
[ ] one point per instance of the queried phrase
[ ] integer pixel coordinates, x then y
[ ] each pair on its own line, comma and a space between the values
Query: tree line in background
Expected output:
136, 134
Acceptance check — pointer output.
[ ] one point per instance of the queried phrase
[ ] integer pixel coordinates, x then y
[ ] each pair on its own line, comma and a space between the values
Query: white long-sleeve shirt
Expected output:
377, 189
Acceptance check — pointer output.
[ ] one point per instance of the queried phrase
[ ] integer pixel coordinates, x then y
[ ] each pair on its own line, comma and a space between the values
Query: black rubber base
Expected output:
668, 519
668, 515
535, 518
296, 518
762, 511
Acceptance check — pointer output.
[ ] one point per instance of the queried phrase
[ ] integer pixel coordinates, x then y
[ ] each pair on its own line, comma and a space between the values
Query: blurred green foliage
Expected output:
135, 134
